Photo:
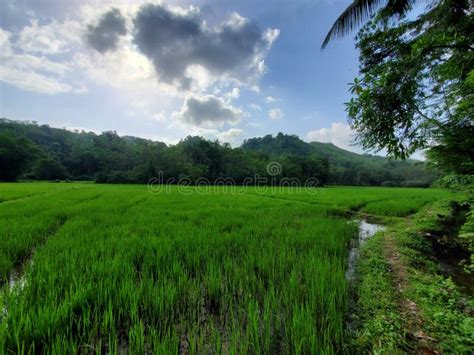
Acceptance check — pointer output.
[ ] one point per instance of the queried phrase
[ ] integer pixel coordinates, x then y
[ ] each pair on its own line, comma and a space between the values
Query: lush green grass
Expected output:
13, 191
378, 326
119, 268
399, 201
447, 313
384, 324
399, 207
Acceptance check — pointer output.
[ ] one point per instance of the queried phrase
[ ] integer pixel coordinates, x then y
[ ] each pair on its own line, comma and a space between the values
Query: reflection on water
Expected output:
366, 230
16, 283
450, 266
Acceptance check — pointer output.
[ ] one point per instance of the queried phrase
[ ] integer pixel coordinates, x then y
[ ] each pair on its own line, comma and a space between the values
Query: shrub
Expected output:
415, 183
113, 177
455, 182
49, 169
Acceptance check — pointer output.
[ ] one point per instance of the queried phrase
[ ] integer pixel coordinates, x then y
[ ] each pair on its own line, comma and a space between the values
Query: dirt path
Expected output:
421, 342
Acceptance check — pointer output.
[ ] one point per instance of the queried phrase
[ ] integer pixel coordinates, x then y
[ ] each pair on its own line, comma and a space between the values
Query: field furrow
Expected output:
120, 269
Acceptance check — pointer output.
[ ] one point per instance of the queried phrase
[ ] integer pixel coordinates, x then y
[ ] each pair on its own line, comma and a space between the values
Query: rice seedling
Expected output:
118, 269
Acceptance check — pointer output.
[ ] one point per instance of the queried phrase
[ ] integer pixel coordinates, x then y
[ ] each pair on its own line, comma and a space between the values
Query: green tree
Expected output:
205, 155
454, 150
16, 154
416, 84
110, 158
49, 169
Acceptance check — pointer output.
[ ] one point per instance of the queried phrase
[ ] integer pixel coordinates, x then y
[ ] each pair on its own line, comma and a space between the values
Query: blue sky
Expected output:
248, 68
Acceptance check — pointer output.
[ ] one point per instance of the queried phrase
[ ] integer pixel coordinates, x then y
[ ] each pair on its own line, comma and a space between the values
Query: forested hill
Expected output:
32, 151
345, 168
343, 164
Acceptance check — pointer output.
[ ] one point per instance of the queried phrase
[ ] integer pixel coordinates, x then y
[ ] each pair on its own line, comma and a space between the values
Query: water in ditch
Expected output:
366, 230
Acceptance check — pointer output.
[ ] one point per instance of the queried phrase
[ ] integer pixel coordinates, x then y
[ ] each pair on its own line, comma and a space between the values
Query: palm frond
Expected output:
398, 7
358, 11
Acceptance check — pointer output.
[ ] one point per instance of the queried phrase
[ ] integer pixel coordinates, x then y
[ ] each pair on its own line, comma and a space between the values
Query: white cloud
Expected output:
339, 134
174, 39
5, 45
32, 81
81, 129
235, 21
419, 155
255, 88
53, 38
165, 139
275, 114
132, 76
234, 94
271, 99
207, 111
271, 35
160, 116
35, 73
55, 57
230, 136
255, 107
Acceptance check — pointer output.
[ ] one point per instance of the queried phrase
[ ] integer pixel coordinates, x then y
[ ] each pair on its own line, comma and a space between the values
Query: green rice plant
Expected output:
400, 207
110, 269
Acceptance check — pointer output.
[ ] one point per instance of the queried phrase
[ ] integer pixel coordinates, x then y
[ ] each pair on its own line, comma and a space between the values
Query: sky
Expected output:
162, 70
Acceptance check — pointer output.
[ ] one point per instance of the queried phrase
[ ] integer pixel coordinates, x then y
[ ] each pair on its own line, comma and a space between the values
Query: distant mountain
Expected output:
345, 168
32, 151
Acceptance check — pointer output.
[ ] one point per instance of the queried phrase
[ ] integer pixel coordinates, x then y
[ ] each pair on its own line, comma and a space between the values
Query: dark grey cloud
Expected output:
174, 41
105, 35
208, 111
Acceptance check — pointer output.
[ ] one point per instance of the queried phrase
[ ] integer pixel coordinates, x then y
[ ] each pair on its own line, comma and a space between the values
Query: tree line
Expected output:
40, 152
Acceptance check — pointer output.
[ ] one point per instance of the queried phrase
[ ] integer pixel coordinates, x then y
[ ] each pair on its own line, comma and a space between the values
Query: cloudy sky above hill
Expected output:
225, 70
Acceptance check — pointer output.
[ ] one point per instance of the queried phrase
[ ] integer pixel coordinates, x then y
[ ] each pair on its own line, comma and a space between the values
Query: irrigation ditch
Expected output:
417, 270
450, 252
366, 231
444, 246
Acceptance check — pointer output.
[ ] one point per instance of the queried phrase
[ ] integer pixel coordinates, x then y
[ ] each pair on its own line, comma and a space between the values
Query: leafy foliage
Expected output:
456, 182
15, 155
416, 84
359, 10
48, 169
